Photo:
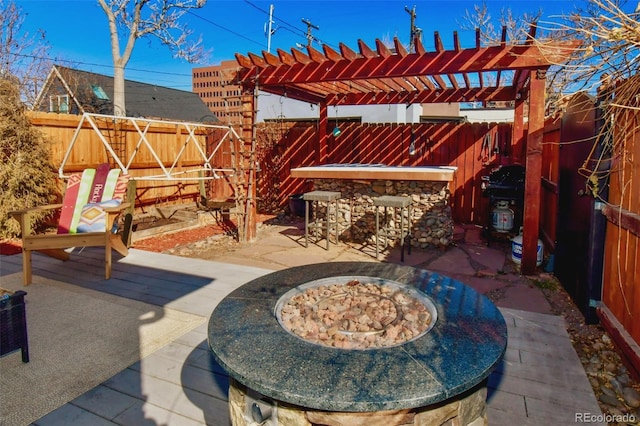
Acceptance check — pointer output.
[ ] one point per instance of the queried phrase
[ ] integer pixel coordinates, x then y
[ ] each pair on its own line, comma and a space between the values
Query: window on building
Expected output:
99, 92
59, 103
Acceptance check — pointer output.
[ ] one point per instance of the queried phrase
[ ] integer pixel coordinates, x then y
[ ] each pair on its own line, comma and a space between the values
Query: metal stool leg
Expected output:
337, 213
402, 234
328, 223
386, 227
377, 230
409, 228
306, 223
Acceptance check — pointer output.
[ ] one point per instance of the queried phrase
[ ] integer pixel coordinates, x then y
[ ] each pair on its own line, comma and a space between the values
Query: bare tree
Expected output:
24, 57
130, 20
516, 27
605, 66
610, 39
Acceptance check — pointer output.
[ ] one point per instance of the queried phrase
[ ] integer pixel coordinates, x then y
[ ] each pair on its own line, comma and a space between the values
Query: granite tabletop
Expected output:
464, 346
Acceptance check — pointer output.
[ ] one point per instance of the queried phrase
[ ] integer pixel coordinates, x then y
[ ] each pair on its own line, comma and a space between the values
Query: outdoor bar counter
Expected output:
375, 172
360, 184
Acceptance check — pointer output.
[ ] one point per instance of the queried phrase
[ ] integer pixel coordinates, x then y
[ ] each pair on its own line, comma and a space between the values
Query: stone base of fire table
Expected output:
468, 409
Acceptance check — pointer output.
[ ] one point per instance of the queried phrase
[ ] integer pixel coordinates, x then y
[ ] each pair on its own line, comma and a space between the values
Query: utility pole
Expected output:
414, 32
270, 30
309, 27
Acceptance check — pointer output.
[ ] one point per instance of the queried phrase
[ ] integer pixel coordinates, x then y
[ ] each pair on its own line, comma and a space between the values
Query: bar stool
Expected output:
392, 223
319, 223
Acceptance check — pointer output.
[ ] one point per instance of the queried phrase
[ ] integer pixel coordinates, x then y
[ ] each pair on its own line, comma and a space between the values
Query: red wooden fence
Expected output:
621, 287
550, 180
283, 146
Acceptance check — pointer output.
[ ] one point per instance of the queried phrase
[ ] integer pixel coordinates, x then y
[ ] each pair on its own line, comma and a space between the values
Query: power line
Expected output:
68, 61
286, 26
226, 29
308, 34
295, 30
291, 28
154, 71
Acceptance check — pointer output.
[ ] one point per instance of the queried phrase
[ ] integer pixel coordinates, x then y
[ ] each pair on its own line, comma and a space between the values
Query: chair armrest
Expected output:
35, 209
24, 217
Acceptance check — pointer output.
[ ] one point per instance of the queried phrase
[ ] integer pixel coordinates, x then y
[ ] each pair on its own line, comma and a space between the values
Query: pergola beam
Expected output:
494, 58
423, 97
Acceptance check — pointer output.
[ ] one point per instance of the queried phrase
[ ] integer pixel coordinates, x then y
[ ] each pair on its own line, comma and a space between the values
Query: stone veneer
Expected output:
468, 409
431, 221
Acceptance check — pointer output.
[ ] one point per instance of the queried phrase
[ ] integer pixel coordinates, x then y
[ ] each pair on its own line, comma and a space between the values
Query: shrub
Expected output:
27, 178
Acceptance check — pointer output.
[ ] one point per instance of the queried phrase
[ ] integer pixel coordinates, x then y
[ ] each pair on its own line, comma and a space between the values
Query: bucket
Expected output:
516, 250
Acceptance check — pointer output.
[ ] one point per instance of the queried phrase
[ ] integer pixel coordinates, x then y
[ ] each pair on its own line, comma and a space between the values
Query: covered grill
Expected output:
505, 189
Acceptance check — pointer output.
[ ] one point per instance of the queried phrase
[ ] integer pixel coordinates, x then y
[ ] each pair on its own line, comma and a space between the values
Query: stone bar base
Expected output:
431, 221
467, 409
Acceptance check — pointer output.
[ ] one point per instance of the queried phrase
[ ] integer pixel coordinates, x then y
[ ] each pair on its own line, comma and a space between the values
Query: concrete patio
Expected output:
540, 379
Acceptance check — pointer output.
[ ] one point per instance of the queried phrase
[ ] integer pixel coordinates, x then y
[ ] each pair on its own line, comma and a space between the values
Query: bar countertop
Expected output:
375, 172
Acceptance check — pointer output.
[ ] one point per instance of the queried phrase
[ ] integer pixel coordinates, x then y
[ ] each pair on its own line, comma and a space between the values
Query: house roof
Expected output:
93, 92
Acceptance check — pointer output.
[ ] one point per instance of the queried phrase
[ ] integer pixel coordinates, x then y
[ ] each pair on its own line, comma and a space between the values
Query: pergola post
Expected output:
533, 164
248, 182
517, 137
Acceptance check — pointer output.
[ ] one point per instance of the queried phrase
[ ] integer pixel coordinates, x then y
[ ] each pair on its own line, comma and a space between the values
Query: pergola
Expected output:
503, 72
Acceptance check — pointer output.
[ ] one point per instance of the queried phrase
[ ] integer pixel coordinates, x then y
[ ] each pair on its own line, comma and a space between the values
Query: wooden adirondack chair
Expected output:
92, 202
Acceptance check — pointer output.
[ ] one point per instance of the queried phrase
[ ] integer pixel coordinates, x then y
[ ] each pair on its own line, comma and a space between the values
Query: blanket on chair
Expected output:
86, 195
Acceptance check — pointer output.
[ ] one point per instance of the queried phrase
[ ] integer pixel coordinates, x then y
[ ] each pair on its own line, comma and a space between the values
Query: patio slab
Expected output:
540, 380
456, 261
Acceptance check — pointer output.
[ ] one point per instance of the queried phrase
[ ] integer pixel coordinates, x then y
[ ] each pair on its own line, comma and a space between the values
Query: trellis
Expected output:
124, 160
124, 156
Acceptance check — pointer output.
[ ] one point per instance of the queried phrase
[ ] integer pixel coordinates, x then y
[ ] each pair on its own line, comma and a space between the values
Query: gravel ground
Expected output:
617, 392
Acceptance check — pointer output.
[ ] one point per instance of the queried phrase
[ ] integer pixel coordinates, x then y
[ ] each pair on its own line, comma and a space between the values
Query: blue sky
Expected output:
77, 29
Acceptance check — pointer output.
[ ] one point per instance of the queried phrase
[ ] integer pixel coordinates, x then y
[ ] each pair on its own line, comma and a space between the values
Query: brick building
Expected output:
214, 86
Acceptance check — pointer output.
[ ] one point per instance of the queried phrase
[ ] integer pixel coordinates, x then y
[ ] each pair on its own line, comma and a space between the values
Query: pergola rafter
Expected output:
392, 75
451, 74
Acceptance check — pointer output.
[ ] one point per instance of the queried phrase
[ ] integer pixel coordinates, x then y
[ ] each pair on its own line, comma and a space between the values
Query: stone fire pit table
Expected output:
435, 378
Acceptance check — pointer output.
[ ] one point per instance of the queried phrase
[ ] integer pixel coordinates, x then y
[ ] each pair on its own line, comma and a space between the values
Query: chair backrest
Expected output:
91, 187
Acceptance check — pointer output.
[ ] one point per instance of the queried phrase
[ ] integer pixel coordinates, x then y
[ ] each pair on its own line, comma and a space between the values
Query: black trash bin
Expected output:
13, 323
296, 205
